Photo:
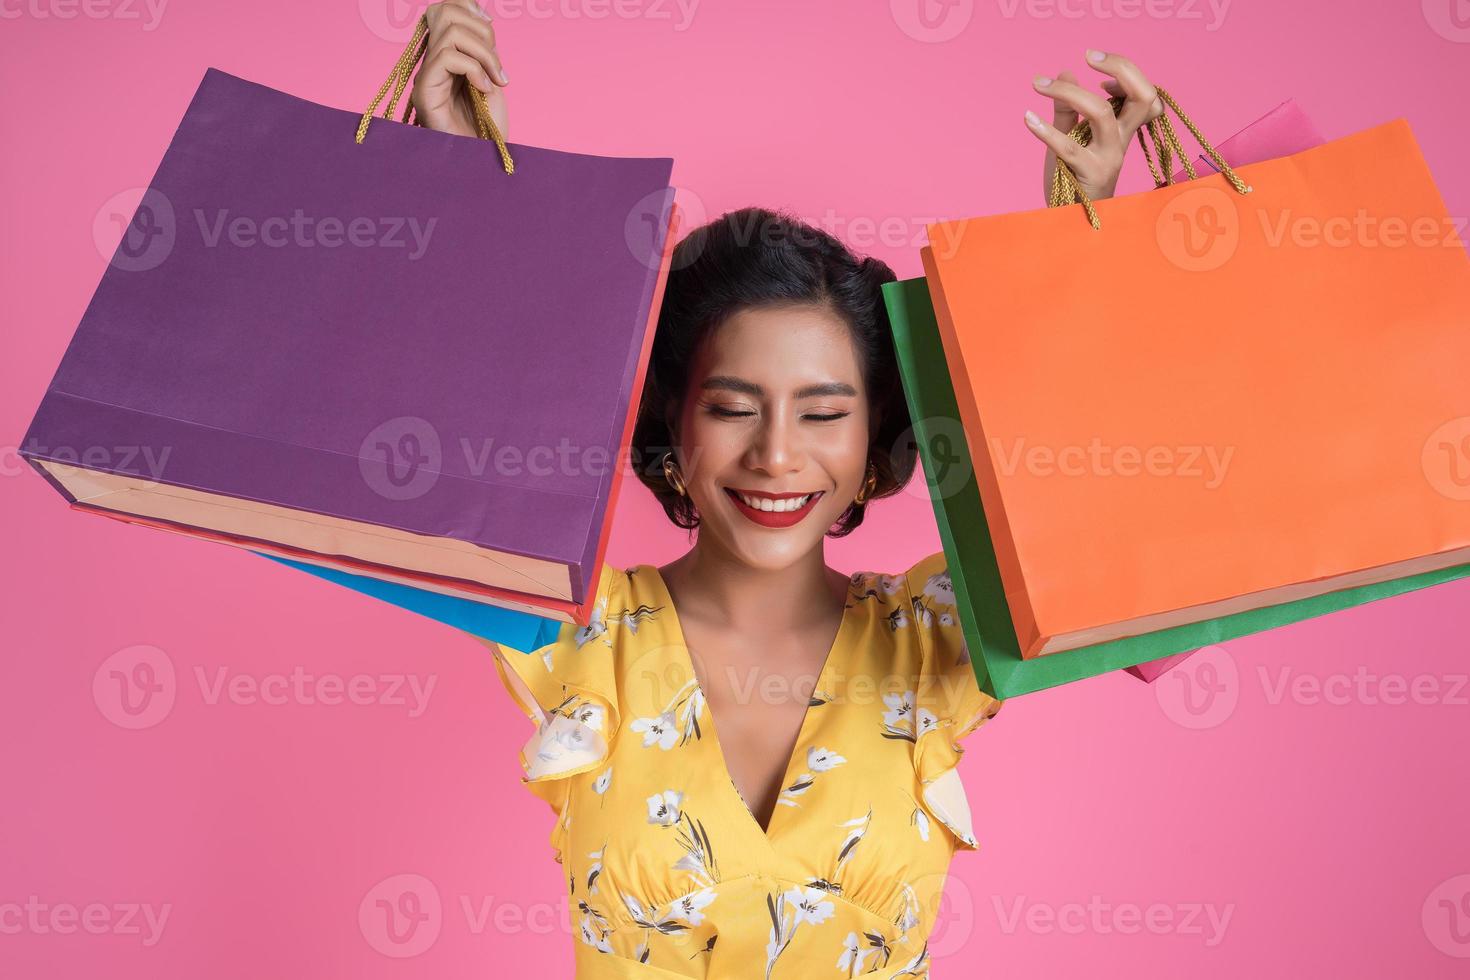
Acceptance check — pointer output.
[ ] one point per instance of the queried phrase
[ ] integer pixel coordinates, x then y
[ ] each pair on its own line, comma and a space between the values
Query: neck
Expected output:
717, 588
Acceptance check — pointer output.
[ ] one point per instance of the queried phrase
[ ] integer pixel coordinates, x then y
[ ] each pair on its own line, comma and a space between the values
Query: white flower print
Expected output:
916, 967
807, 905
566, 738
690, 908
939, 588
899, 717
661, 731
888, 583
596, 628
594, 936
689, 714
699, 852
909, 915
811, 905
594, 871
590, 714
599, 621
677, 723
631, 618
645, 919
903, 720
924, 721
819, 759
920, 819
822, 759
601, 784
663, 808
856, 950
859, 827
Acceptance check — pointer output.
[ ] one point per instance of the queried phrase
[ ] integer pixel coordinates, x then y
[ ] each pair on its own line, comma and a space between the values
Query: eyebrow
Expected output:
731, 383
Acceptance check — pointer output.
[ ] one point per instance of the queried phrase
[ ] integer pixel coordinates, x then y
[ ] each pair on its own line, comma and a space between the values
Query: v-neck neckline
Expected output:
799, 746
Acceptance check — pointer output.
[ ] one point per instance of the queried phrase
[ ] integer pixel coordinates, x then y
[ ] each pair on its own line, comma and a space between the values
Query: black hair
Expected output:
755, 258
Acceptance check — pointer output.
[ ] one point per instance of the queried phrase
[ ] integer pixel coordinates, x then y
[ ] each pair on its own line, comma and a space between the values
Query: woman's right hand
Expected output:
461, 53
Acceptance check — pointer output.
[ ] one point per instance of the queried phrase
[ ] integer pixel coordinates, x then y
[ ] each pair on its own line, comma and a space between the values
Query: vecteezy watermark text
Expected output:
302, 230
1195, 462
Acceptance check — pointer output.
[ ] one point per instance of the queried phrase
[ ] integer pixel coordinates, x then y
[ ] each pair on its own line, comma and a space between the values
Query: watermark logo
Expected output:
648, 219
1450, 19
391, 20
1446, 917
1203, 691
135, 229
401, 458
932, 21
1199, 230
945, 456
136, 687
1446, 459
948, 902
401, 916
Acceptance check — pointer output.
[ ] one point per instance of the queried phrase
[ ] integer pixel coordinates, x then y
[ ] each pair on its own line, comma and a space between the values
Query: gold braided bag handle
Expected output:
398, 81
1066, 191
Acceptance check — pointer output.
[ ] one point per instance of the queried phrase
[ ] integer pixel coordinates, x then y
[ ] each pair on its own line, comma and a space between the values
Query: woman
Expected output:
711, 823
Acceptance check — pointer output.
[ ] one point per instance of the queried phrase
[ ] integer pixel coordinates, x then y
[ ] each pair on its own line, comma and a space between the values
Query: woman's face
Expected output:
776, 408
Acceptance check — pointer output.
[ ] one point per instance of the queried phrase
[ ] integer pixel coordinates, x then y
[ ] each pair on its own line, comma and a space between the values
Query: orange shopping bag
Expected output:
1239, 400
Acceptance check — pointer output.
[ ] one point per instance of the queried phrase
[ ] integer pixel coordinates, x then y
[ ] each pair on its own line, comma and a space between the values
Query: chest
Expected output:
757, 704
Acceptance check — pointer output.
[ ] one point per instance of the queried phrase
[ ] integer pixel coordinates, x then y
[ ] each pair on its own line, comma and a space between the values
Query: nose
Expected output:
777, 448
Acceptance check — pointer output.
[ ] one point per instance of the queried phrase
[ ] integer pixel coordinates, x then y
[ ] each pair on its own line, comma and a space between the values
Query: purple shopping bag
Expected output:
1281, 132
391, 357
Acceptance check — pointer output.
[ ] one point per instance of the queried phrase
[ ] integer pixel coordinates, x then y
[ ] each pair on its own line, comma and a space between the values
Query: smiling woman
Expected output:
751, 755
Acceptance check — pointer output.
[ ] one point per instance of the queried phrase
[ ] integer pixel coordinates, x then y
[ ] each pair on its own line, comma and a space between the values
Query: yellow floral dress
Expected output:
669, 872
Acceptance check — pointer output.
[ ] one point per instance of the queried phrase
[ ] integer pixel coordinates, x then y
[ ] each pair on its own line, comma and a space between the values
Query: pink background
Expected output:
1328, 827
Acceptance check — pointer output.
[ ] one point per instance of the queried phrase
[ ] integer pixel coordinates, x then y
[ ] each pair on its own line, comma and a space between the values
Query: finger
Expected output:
450, 22
473, 7
456, 38
1065, 148
439, 70
1064, 117
1142, 99
1094, 107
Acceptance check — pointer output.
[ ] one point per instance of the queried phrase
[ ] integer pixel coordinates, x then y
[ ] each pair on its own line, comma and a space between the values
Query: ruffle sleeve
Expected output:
949, 704
568, 689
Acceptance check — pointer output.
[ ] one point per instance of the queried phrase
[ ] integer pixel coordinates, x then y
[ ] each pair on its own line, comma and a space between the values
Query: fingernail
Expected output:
1095, 56
1042, 81
1032, 119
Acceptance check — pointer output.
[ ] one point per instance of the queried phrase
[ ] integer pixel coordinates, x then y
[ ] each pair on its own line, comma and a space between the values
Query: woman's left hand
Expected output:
1098, 164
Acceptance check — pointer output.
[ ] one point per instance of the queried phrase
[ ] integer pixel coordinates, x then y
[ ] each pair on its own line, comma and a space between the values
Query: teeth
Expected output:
775, 506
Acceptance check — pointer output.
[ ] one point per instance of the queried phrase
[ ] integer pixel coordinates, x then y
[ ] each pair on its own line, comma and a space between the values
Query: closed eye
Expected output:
729, 414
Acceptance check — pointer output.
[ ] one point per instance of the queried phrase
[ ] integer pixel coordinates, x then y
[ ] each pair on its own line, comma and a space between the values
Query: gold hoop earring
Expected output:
866, 489
672, 475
